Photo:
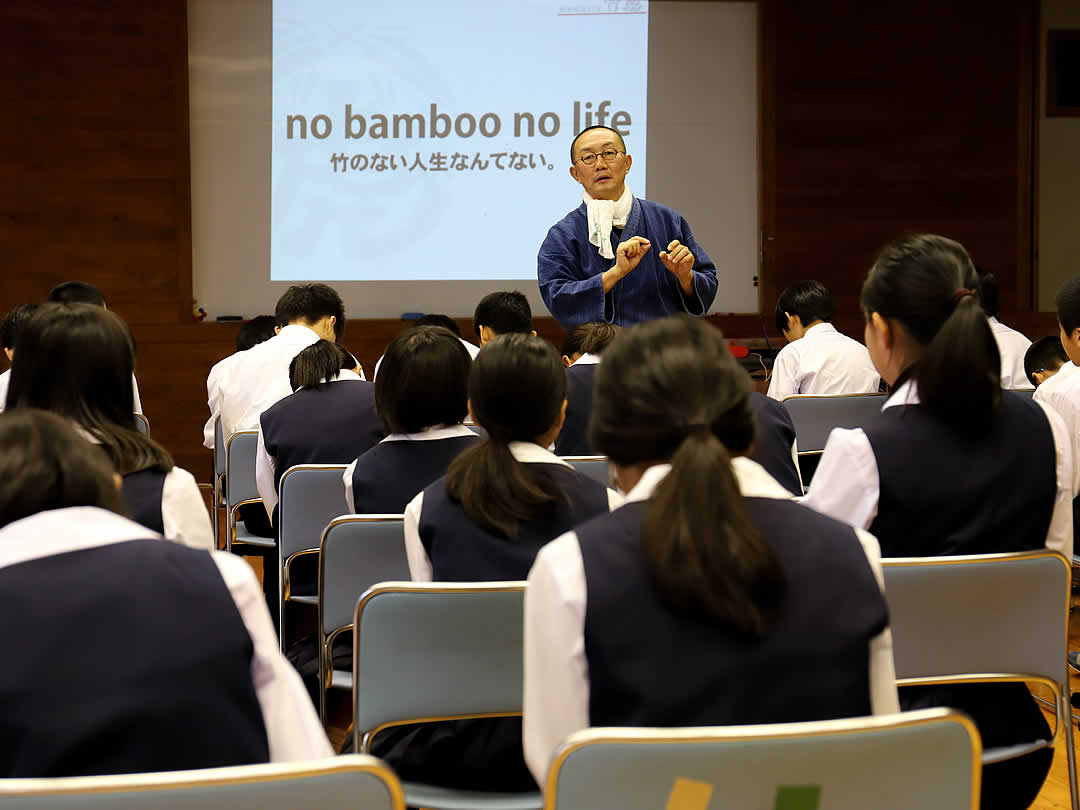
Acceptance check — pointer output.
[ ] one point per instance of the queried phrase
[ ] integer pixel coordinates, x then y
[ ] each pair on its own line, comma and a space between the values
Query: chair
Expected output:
984, 618
311, 495
595, 467
916, 760
218, 464
328, 784
815, 417
439, 651
142, 424
1024, 392
356, 552
240, 488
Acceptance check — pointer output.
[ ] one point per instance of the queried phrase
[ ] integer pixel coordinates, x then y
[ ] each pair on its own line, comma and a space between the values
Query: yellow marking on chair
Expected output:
688, 794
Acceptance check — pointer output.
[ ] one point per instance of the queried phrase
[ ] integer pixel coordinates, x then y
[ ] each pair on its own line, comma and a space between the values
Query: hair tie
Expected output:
962, 292
698, 427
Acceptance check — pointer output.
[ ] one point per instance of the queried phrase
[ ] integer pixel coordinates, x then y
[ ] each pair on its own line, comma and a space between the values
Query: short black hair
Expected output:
76, 292
810, 300
573, 143
435, 319
423, 381
989, 293
504, 313
1068, 305
589, 338
1045, 354
322, 360
16, 317
311, 303
255, 331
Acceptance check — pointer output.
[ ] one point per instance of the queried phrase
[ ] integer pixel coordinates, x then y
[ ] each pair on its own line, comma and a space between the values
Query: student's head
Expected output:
922, 308
89, 355
587, 338
1043, 359
802, 305
599, 161
45, 464
252, 333
423, 381
669, 392
502, 313
9, 328
76, 292
320, 362
517, 393
316, 306
1068, 312
435, 319
989, 294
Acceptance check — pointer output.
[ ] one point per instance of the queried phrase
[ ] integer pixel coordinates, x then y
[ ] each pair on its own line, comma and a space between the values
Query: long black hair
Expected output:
928, 284
76, 361
670, 391
517, 387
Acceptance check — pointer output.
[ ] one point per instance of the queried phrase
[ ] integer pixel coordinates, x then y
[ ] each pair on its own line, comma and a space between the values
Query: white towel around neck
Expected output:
603, 215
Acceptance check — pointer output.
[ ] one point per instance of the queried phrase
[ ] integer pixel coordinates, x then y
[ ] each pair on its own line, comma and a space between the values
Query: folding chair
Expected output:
329, 784
815, 417
356, 552
425, 652
142, 424
596, 467
985, 618
310, 496
1024, 392
217, 463
910, 761
240, 489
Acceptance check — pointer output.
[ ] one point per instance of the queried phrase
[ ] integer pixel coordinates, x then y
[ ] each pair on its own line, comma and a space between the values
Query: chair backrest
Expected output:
310, 496
357, 551
331, 784
1026, 392
921, 759
240, 468
814, 417
219, 448
596, 467
437, 651
142, 424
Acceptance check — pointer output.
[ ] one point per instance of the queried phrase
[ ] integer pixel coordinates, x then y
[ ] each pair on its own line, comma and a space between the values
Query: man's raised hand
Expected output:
680, 261
630, 252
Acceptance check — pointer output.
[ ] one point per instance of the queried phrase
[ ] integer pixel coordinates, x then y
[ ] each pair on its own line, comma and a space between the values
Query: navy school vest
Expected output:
573, 439
390, 474
142, 492
128, 658
773, 441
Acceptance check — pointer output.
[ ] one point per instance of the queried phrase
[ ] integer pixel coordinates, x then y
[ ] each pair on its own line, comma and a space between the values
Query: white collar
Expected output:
343, 374
824, 326
993, 320
532, 453
58, 531
753, 480
430, 434
587, 359
906, 394
294, 333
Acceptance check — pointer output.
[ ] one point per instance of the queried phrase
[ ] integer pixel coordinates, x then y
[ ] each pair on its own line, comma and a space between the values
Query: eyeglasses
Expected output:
588, 159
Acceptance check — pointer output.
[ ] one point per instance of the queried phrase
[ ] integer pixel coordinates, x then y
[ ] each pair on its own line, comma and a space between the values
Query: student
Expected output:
1043, 359
500, 502
585, 343
167, 659
435, 319
420, 396
89, 354
775, 446
9, 329
817, 359
502, 313
258, 330
691, 604
1011, 344
82, 292
937, 474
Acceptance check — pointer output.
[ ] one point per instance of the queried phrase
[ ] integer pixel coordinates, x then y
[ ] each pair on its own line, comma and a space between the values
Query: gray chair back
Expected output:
1024, 392
352, 780
240, 486
909, 761
815, 417
142, 424
595, 467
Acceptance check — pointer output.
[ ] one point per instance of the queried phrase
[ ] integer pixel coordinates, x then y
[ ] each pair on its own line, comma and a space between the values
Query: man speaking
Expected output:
617, 258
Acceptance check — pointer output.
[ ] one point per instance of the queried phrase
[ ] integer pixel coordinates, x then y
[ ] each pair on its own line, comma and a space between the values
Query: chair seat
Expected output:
438, 798
341, 679
243, 536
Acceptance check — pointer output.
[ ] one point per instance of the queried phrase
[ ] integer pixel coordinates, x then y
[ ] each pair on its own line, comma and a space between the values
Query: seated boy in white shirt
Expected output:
817, 359
1011, 344
1043, 359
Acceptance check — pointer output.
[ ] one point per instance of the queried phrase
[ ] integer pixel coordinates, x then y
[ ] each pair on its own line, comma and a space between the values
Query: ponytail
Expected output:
710, 560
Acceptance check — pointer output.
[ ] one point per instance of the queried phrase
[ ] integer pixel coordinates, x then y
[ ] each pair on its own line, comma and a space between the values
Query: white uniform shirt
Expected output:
823, 362
183, 511
419, 562
5, 379
471, 348
847, 485
556, 698
1013, 346
293, 730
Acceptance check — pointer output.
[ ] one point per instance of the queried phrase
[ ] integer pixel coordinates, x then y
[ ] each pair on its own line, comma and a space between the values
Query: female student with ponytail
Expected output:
500, 502
953, 466
711, 597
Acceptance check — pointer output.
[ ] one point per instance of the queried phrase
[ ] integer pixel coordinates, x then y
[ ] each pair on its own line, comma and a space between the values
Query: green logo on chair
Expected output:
688, 794
797, 797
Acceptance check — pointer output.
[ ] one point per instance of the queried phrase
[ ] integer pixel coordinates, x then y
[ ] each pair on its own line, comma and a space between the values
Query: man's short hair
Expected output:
1068, 305
573, 143
1045, 354
589, 338
76, 292
810, 300
311, 303
989, 293
255, 331
423, 381
504, 313
9, 328
435, 319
